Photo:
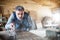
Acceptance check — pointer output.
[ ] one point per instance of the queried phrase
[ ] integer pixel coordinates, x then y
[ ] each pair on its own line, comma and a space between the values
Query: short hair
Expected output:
19, 8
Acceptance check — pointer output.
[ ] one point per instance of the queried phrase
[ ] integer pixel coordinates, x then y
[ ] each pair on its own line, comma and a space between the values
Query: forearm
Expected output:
10, 20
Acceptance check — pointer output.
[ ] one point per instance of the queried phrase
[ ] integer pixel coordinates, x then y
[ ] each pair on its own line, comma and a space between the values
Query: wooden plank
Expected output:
27, 36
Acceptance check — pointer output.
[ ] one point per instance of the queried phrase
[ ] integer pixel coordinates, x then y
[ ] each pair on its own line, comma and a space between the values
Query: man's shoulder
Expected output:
26, 13
13, 12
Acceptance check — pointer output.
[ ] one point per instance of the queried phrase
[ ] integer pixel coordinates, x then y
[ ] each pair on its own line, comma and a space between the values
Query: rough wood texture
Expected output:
27, 36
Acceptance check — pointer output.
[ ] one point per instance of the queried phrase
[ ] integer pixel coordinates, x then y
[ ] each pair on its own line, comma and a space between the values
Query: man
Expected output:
20, 19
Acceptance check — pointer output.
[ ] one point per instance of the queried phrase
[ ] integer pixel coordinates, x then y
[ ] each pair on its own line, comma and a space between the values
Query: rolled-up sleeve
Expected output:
9, 21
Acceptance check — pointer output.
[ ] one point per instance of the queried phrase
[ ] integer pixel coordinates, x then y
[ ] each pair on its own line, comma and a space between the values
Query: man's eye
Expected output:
18, 13
21, 13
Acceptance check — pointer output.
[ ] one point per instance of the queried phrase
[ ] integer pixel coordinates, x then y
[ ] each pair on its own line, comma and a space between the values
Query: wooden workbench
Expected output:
27, 36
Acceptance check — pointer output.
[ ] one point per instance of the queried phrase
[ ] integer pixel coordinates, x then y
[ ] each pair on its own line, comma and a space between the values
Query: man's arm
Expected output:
9, 21
32, 23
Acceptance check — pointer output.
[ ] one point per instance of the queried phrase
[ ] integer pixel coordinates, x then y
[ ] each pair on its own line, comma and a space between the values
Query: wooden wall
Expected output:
36, 7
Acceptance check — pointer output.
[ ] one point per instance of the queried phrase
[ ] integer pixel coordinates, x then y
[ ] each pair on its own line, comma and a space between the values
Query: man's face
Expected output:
20, 13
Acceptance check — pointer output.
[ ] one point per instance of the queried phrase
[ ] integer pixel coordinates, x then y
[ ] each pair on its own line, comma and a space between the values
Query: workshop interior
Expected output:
45, 15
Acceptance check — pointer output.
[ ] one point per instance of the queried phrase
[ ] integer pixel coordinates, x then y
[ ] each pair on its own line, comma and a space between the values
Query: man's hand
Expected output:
12, 27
